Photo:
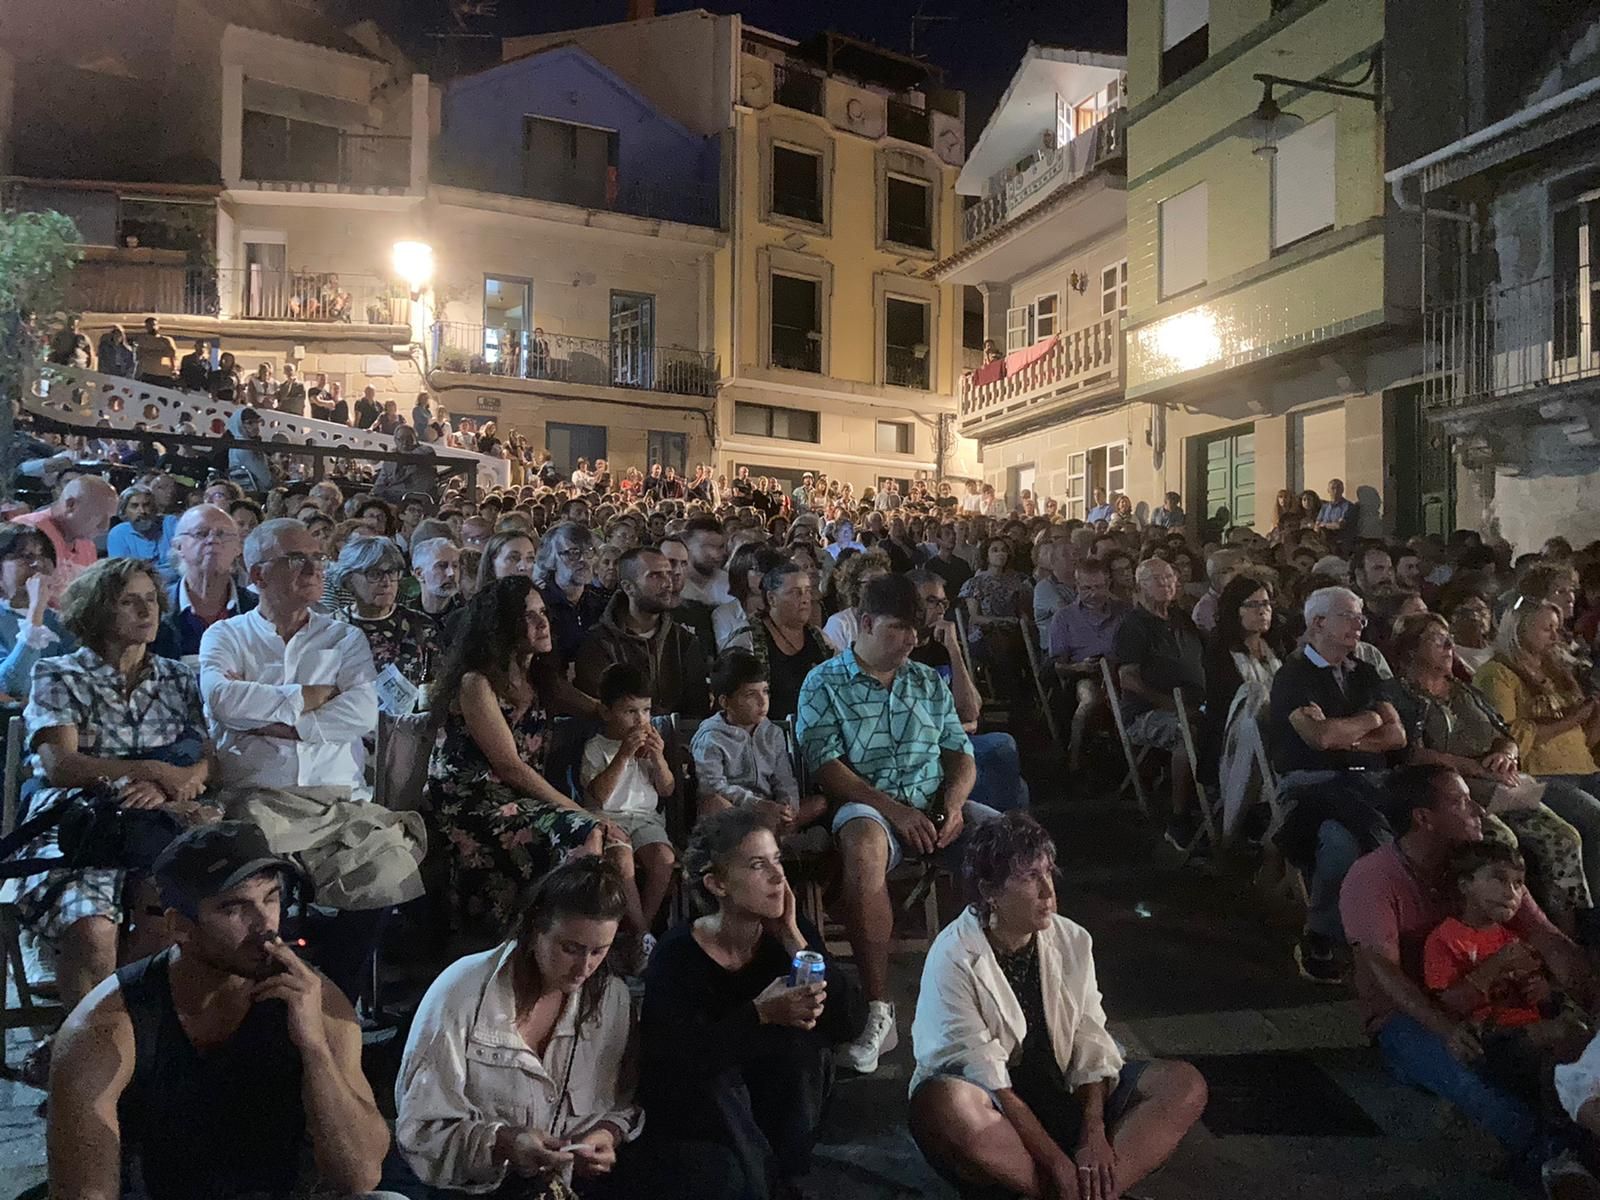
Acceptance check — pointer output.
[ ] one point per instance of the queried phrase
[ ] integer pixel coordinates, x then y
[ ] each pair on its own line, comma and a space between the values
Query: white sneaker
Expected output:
876, 1040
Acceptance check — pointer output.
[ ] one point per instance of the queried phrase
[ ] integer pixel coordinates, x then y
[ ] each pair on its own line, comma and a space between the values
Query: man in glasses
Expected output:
206, 546
1331, 735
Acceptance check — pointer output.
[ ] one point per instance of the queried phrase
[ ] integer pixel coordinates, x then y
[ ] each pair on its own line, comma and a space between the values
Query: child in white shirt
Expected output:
624, 776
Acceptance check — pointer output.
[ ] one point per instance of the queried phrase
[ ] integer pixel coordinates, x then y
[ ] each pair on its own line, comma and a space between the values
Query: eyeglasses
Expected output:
211, 535
574, 554
1257, 605
382, 574
1356, 618
300, 563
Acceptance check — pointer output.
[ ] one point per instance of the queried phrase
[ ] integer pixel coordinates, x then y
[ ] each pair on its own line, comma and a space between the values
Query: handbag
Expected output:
94, 832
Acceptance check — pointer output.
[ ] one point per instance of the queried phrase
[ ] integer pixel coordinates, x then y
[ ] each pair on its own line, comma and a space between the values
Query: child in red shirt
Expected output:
1478, 969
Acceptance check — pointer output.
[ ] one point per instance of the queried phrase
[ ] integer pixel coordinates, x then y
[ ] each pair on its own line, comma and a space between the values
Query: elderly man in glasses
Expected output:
1332, 736
205, 544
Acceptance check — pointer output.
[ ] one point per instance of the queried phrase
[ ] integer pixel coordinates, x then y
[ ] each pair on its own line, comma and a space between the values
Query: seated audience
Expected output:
734, 1058
637, 628
1328, 722
563, 572
849, 577
1471, 625
111, 716
505, 826
224, 1067
1392, 899
1241, 661
469, 1123
732, 623
1019, 1087
947, 564
79, 515
250, 469
29, 628
1057, 564
1157, 650
142, 532
370, 569
1081, 638
436, 564
741, 758
625, 776
205, 543
1221, 566
881, 737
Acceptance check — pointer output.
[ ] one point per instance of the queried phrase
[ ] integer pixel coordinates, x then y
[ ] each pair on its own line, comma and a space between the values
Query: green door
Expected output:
1227, 468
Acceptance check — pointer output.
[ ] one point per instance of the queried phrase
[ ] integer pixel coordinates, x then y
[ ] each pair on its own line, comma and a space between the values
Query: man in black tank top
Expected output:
208, 1070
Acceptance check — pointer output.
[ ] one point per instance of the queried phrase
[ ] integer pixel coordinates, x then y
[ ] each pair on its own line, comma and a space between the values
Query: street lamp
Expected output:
1269, 122
413, 263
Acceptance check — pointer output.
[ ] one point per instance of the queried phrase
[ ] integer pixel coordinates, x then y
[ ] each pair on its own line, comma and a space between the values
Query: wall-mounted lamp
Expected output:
1270, 124
1078, 281
413, 263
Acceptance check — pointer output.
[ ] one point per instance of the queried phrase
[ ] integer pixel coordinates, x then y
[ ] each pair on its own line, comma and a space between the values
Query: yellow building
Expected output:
1272, 293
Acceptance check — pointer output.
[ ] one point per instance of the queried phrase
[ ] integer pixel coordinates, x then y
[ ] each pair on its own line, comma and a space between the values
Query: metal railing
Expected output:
1077, 362
796, 87
796, 349
241, 293
906, 366
909, 123
1510, 340
351, 160
1045, 172
910, 233
804, 206
521, 354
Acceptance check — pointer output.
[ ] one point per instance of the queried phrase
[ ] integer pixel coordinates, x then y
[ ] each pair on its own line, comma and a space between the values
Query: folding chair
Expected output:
1042, 682
30, 1012
809, 872
400, 762
1133, 756
1272, 793
1208, 817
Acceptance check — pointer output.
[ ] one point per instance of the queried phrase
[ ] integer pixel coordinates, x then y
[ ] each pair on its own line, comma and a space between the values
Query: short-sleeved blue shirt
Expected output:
890, 736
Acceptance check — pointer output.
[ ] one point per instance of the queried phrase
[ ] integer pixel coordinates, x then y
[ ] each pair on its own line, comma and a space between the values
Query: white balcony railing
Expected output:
1511, 340
1046, 172
1074, 363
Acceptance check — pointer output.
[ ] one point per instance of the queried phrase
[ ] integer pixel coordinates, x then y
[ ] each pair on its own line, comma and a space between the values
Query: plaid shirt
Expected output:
83, 690
890, 736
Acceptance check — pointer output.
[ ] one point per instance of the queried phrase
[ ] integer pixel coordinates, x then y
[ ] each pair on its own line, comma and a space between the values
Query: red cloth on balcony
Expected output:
1013, 362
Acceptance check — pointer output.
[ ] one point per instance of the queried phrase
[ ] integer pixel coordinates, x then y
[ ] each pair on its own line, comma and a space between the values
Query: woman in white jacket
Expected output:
517, 1076
1018, 1085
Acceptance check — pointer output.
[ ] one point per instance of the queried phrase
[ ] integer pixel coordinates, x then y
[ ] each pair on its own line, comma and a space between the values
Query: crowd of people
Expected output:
627, 685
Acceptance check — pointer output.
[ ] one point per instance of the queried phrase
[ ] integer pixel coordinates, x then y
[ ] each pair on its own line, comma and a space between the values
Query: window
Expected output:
1183, 241
764, 420
1185, 37
1019, 328
1073, 505
1114, 289
1302, 183
633, 339
797, 183
1046, 322
1108, 468
569, 163
668, 449
909, 218
905, 343
894, 437
796, 323
507, 323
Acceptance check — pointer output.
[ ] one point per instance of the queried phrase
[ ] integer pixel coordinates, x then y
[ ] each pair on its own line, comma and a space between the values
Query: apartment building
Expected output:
1272, 324
1508, 184
1044, 243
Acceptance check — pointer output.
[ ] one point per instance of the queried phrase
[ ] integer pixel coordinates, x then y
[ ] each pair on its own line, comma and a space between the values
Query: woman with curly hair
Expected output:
848, 578
505, 825
1019, 1087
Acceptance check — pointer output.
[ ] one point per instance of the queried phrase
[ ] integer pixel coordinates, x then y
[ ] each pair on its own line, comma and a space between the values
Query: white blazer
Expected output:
970, 1025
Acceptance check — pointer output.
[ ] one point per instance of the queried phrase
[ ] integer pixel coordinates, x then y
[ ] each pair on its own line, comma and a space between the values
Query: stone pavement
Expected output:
1191, 964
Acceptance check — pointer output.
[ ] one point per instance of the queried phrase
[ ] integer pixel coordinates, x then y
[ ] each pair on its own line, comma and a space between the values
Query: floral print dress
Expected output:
500, 840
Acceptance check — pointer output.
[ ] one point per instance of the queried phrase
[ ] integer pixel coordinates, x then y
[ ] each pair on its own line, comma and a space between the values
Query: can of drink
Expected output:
808, 967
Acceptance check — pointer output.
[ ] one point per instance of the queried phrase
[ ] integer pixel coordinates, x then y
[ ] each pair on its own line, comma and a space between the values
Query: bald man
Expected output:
79, 515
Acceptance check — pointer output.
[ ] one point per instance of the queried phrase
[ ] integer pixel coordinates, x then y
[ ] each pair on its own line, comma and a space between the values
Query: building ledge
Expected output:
523, 207
554, 389
178, 326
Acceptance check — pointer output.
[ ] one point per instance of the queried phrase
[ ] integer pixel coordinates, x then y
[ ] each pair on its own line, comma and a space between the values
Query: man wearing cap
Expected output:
210, 1064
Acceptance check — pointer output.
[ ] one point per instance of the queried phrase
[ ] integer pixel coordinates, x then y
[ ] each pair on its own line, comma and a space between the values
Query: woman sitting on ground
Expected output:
731, 621
471, 1123
504, 824
734, 1061
29, 627
369, 570
1018, 1086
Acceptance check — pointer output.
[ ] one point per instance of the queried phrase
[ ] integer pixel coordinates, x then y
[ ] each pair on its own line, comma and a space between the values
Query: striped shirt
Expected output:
890, 736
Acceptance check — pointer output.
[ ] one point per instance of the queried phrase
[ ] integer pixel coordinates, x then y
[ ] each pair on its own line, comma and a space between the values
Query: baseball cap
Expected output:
209, 860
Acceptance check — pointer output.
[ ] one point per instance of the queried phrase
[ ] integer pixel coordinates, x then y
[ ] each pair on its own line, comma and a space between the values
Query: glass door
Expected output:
633, 339
507, 322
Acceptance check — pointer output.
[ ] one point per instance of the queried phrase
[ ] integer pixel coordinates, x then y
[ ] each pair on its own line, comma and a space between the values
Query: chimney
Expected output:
641, 10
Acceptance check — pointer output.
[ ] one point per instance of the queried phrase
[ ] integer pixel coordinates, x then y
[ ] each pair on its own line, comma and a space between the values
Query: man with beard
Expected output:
562, 573
208, 1066
142, 533
707, 544
638, 629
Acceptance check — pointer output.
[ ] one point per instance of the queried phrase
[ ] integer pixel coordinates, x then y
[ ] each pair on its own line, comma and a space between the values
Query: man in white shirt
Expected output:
973, 501
289, 691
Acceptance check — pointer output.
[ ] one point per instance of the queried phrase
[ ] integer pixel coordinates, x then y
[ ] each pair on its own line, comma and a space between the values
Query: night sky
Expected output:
979, 46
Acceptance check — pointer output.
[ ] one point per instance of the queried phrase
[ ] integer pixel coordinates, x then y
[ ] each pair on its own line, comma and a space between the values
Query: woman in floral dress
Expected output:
996, 598
503, 823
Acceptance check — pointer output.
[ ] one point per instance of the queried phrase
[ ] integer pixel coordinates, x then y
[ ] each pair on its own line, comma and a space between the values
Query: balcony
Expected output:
796, 349
1046, 172
515, 354
906, 366
796, 87
325, 159
1047, 376
1524, 341
909, 123
168, 287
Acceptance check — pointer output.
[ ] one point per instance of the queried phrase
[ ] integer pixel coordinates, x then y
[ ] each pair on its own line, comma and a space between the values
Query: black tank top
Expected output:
226, 1123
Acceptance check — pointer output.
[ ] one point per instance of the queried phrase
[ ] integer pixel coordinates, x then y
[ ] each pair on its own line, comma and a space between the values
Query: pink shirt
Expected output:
1385, 908
72, 558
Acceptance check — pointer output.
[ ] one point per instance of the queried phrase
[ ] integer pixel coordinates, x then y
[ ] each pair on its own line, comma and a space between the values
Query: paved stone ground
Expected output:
1191, 963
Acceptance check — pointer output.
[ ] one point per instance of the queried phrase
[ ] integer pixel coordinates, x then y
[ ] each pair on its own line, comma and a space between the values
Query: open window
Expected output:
796, 323
797, 183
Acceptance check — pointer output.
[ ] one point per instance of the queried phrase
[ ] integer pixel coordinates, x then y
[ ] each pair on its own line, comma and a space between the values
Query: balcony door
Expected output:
507, 324
1575, 299
1227, 468
266, 279
633, 339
